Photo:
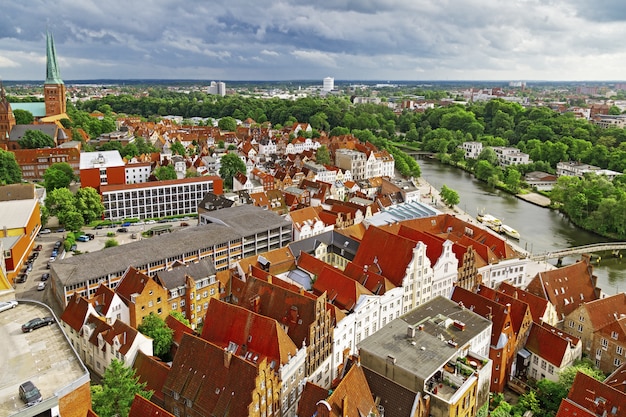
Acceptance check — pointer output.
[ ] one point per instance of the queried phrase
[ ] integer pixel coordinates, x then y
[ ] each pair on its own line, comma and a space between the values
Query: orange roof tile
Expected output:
596, 397
547, 343
75, 313
145, 408
536, 304
153, 372
340, 290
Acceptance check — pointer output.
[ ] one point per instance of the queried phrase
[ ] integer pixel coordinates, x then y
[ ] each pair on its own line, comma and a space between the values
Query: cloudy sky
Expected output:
312, 39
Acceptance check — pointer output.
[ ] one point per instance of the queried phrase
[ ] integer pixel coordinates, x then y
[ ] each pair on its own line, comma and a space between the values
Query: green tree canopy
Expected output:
10, 172
165, 172
162, 336
449, 196
58, 175
322, 155
34, 139
115, 395
228, 124
59, 201
179, 316
231, 164
89, 204
23, 117
110, 243
178, 148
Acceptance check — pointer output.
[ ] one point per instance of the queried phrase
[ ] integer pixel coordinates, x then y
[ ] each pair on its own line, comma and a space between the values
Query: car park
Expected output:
30, 394
34, 324
45, 231
45, 276
7, 305
41, 286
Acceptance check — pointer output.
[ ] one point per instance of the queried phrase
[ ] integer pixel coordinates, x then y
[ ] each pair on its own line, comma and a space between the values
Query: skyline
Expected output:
294, 40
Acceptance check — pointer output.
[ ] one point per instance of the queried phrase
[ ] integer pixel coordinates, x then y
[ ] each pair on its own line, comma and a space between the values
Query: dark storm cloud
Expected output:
297, 39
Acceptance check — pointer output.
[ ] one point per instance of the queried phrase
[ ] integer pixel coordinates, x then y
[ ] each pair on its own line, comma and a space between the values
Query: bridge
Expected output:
578, 250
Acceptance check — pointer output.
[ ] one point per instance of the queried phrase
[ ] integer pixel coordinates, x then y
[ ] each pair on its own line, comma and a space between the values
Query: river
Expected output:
541, 229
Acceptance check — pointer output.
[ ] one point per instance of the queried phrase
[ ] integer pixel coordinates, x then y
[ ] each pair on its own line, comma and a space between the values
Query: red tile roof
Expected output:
340, 290
102, 299
310, 263
256, 336
133, 282
214, 385
518, 311
547, 344
178, 326
567, 287
605, 310
538, 305
144, 408
76, 311
374, 282
311, 395
354, 389
484, 307
153, 372
617, 379
124, 334
596, 397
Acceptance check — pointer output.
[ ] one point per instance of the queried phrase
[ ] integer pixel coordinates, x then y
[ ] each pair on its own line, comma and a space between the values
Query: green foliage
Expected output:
73, 220
165, 172
550, 395
34, 139
58, 175
179, 316
513, 180
117, 391
178, 148
162, 336
60, 201
449, 196
23, 117
10, 172
89, 204
322, 155
567, 375
110, 243
231, 164
227, 123
44, 214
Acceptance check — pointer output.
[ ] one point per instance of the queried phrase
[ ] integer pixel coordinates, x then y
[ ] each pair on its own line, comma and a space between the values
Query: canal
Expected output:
541, 229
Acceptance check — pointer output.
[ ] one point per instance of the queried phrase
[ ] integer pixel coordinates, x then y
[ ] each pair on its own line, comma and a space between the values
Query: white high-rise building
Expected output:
217, 88
329, 84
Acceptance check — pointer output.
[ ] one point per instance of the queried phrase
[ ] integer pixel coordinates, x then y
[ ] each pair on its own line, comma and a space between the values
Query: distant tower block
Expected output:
217, 88
329, 84
54, 87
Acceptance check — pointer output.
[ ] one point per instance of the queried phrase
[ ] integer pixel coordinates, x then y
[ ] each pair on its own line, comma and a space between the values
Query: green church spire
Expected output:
52, 69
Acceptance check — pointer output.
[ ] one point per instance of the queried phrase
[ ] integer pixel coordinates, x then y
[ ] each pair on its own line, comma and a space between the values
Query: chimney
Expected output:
410, 331
227, 357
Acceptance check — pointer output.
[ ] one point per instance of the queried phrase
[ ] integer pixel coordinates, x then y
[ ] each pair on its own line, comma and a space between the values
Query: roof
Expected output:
175, 277
596, 397
434, 315
353, 388
76, 311
178, 327
617, 379
101, 159
604, 311
246, 219
397, 400
340, 290
311, 395
16, 213
37, 109
227, 325
133, 282
538, 305
548, 343
214, 386
518, 311
566, 287
153, 372
18, 131
141, 407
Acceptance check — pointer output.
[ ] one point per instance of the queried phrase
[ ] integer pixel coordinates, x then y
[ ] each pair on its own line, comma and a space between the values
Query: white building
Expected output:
329, 84
217, 88
511, 156
472, 149
576, 169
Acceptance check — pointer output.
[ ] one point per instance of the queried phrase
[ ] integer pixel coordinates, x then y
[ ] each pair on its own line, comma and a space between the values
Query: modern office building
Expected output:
329, 84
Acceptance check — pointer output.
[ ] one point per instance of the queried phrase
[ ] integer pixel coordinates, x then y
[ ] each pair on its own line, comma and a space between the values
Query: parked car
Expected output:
184, 224
7, 305
91, 236
38, 248
126, 224
36, 323
133, 236
33, 256
30, 394
98, 227
45, 231
122, 230
83, 238
41, 286
73, 247
21, 279
60, 230
151, 222
45, 276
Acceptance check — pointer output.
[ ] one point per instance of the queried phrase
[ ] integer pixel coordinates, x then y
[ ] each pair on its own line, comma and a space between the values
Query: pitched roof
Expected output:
549, 344
124, 334
102, 299
485, 307
175, 277
254, 335
311, 395
340, 290
141, 407
538, 305
596, 397
153, 372
354, 391
617, 379
376, 283
133, 282
518, 309
76, 312
605, 310
214, 383
566, 287
396, 399
178, 326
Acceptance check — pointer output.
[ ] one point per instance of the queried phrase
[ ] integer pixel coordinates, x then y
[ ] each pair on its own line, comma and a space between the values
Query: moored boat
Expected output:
490, 221
509, 231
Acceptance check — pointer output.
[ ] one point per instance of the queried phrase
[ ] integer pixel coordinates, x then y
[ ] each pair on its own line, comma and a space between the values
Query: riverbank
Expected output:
536, 199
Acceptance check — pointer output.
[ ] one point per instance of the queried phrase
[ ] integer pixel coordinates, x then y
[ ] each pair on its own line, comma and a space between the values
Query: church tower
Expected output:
7, 118
54, 88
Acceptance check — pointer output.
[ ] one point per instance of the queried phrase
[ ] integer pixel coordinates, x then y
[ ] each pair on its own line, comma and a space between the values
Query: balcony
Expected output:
453, 377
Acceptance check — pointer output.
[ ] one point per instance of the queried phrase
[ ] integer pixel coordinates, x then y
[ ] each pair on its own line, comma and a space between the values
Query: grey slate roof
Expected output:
175, 277
246, 219
396, 399
19, 130
425, 353
335, 241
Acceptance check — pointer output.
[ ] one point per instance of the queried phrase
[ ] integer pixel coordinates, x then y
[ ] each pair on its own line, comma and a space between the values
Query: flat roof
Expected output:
246, 219
402, 211
425, 353
101, 159
43, 356
15, 213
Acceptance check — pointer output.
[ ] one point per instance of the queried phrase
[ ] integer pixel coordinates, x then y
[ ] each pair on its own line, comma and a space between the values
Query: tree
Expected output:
489, 155
110, 243
10, 172
58, 175
60, 201
165, 172
179, 316
162, 336
89, 204
322, 155
513, 180
117, 391
228, 124
231, 164
567, 375
449, 196
178, 148
72, 220
34, 139
23, 117
550, 395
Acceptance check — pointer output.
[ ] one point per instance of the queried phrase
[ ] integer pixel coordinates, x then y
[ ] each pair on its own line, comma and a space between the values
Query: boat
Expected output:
490, 221
509, 231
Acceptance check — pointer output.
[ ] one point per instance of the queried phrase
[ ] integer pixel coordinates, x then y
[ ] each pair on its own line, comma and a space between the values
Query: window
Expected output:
543, 364
580, 328
605, 343
551, 369
571, 323
619, 350
614, 335
617, 362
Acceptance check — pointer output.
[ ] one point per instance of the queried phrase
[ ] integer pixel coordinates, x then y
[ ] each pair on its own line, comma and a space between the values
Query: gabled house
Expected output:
541, 310
567, 287
141, 407
206, 380
395, 400
551, 351
142, 295
609, 345
306, 223
589, 397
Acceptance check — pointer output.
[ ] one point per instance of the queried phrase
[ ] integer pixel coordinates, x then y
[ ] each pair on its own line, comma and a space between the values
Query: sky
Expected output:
553, 40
